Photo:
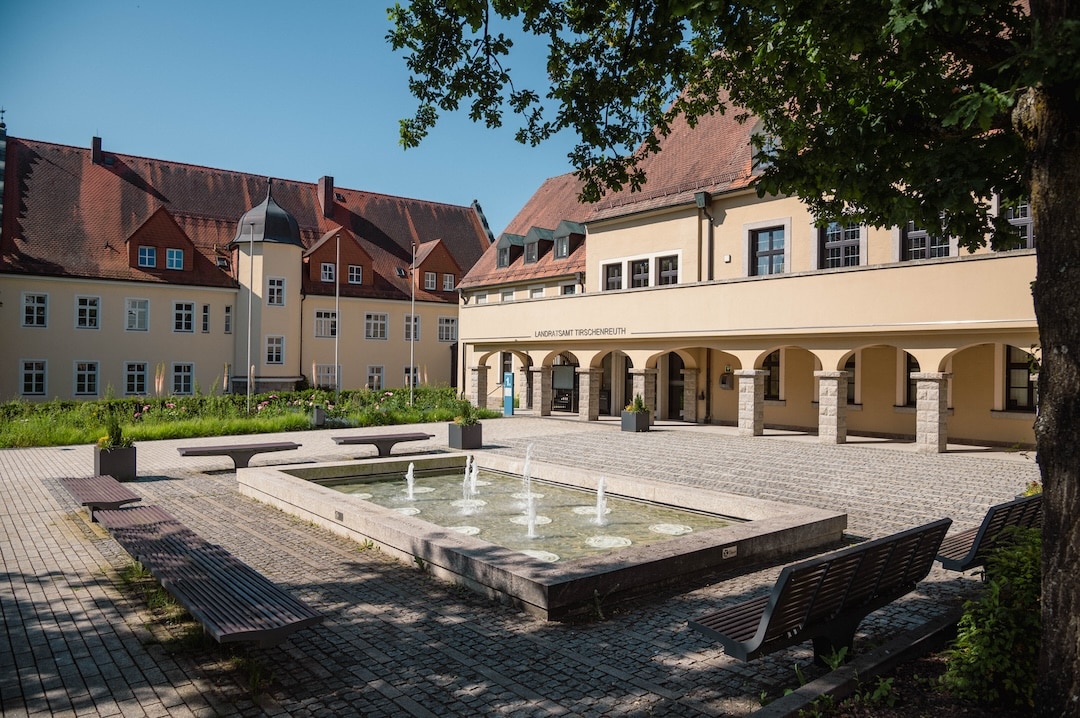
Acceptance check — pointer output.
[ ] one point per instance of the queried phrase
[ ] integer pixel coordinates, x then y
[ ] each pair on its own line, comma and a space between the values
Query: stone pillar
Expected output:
931, 411
832, 406
589, 382
541, 384
644, 383
523, 393
478, 386
751, 401
690, 377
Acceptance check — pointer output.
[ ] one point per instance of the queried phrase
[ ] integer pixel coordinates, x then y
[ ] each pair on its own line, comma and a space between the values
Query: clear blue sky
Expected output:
294, 90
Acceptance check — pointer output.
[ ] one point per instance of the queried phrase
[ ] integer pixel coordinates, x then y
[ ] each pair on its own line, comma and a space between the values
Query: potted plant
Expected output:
635, 416
466, 431
114, 454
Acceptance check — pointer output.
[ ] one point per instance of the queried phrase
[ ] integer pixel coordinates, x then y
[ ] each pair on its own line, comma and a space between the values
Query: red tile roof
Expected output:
715, 156
63, 215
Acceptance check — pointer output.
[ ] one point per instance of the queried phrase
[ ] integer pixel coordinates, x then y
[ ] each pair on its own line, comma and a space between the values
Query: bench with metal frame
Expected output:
240, 453
969, 548
231, 600
99, 492
827, 597
383, 442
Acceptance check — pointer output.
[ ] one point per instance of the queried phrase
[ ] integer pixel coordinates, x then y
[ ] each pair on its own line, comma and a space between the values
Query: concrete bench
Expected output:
240, 453
383, 442
231, 600
99, 492
827, 597
968, 549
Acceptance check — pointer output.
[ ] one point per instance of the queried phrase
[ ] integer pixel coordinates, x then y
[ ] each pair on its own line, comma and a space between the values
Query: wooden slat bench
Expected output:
240, 453
383, 442
99, 492
968, 549
231, 600
827, 597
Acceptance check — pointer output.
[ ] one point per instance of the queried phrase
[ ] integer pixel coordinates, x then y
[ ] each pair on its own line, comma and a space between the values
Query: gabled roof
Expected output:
714, 156
65, 215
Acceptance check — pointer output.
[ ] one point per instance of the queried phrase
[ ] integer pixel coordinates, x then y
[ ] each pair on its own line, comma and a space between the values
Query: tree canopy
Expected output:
879, 111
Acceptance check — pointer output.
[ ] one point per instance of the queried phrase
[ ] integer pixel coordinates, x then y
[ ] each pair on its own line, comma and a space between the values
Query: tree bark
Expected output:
1046, 117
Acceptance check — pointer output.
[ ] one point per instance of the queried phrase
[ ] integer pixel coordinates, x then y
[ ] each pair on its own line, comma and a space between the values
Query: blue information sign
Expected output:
508, 393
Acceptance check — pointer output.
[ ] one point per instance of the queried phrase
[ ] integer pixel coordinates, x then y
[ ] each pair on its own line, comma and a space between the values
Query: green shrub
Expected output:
996, 653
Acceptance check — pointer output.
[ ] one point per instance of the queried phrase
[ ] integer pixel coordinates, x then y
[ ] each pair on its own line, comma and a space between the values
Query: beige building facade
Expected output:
719, 306
127, 276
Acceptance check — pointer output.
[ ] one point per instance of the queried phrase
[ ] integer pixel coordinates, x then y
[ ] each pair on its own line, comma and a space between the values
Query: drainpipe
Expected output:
703, 200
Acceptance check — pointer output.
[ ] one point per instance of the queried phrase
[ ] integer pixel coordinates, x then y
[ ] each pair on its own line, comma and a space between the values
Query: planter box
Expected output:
117, 463
635, 421
465, 437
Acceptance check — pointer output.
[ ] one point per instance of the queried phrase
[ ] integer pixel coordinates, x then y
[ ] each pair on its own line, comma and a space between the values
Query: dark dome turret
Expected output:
268, 222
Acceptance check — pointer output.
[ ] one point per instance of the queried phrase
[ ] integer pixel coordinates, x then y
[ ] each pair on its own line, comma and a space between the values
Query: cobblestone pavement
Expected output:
398, 642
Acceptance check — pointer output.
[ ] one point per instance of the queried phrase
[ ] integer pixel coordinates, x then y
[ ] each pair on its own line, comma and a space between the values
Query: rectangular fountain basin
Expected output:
769, 532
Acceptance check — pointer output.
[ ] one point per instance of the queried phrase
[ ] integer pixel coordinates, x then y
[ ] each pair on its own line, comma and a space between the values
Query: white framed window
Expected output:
148, 257
375, 325
87, 312
275, 291
329, 271
918, 243
536, 292
448, 282
356, 274
506, 295
35, 310
86, 378
532, 252
412, 376
183, 317
325, 323
136, 315
325, 376
431, 281
275, 350
1019, 216
135, 378
447, 329
174, 258
33, 377
375, 377
183, 378
412, 327
228, 319
205, 318
481, 297
840, 245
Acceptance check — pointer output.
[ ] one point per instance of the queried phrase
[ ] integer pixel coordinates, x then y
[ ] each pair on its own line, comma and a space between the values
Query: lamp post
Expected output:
412, 325
251, 297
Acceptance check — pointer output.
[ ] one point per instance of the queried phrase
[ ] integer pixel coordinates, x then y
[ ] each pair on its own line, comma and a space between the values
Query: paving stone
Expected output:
397, 642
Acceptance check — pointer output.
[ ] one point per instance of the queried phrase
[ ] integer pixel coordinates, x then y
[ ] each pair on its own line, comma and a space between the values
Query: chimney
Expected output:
95, 151
326, 195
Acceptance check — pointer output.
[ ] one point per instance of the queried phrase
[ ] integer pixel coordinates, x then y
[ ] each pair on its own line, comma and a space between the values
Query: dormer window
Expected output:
562, 247
174, 258
504, 257
431, 280
532, 252
401, 272
148, 257
328, 271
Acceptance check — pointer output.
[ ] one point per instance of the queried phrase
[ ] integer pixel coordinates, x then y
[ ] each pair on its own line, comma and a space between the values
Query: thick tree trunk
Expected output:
1047, 117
